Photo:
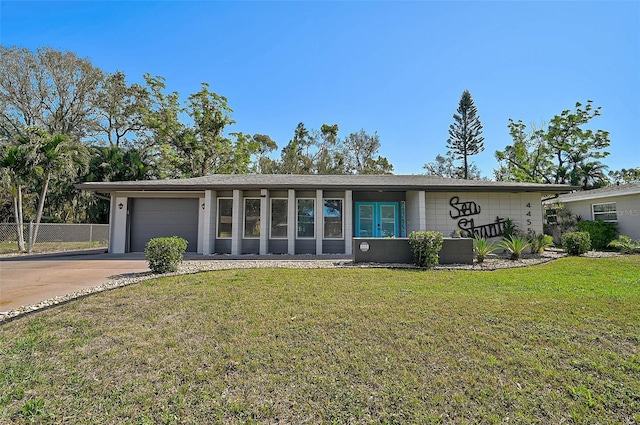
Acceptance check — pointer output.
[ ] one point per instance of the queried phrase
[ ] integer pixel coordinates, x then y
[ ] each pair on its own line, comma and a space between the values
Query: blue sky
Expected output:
397, 68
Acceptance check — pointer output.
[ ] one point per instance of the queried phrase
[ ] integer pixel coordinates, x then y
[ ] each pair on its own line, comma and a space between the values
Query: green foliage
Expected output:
425, 247
464, 134
564, 152
483, 247
165, 254
601, 232
512, 230
576, 243
444, 166
515, 245
539, 242
625, 245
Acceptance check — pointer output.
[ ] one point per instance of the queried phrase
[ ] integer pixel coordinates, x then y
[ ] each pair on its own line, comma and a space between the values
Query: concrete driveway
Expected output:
29, 280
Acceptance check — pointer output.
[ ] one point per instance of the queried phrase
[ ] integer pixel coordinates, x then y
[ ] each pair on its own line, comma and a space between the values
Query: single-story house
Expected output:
619, 204
311, 214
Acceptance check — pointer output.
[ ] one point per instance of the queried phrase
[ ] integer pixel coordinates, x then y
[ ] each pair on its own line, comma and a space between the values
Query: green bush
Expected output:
576, 243
539, 242
483, 247
425, 247
165, 254
625, 245
515, 246
601, 232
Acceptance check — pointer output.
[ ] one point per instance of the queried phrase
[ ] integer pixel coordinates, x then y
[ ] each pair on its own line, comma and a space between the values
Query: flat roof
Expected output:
384, 182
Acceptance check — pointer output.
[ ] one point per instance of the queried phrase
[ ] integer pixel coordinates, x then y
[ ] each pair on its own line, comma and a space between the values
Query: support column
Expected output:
201, 207
422, 210
265, 221
347, 216
291, 222
213, 221
205, 234
118, 240
319, 221
236, 223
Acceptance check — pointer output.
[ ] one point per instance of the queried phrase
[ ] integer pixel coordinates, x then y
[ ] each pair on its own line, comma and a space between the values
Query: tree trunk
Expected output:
17, 213
43, 194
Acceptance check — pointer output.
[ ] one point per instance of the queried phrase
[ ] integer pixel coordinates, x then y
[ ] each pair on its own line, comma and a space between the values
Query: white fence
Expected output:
56, 235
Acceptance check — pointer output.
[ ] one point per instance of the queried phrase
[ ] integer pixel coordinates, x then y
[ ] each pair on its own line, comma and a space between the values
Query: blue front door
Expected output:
376, 220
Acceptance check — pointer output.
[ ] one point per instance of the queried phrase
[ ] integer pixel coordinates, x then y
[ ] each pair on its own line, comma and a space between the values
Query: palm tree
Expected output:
15, 162
57, 157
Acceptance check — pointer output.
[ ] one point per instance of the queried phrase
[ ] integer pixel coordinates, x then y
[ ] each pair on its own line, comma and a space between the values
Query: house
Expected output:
619, 204
311, 214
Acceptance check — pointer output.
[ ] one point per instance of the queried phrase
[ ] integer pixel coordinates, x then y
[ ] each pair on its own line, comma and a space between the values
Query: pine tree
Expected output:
464, 135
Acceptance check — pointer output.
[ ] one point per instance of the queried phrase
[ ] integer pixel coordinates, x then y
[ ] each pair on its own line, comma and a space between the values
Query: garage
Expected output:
154, 218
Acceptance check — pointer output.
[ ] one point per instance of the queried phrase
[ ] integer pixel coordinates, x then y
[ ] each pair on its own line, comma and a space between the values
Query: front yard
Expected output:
555, 343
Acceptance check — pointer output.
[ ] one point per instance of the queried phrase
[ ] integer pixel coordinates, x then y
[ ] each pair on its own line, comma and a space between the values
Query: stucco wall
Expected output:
628, 208
444, 212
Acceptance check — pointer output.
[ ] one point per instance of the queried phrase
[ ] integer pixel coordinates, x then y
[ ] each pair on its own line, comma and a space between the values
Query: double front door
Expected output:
376, 219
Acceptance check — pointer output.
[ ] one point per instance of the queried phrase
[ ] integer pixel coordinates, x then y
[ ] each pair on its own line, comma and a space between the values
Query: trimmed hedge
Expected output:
164, 255
425, 247
601, 232
576, 243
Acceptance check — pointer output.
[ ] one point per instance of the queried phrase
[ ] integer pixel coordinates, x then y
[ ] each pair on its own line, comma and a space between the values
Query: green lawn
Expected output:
556, 343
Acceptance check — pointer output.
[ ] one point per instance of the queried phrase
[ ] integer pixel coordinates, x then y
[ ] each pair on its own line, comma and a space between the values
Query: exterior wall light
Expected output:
120, 206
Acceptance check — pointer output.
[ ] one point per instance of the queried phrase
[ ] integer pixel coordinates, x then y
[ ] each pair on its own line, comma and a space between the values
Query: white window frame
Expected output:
219, 216
615, 211
286, 236
341, 219
244, 218
298, 215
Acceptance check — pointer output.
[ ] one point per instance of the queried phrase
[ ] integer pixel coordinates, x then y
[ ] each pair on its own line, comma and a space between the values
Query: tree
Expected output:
361, 154
50, 89
565, 152
55, 157
120, 109
444, 166
625, 175
464, 134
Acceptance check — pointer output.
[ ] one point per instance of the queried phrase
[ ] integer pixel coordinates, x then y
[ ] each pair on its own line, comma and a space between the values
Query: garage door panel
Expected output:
154, 218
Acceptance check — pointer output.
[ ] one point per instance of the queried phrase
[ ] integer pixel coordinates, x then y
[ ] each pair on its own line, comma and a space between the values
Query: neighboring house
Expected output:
311, 214
617, 204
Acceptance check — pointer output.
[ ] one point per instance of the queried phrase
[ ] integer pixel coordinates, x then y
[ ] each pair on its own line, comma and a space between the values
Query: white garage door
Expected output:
154, 218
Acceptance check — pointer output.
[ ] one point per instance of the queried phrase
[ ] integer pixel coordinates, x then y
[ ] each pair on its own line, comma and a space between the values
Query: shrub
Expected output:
601, 232
512, 229
515, 245
625, 245
482, 247
576, 243
165, 254
425, 247
539, 242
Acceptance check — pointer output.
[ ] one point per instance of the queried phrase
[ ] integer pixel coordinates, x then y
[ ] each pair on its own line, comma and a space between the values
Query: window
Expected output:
551, 215
306, 226
225, 215
251, 218
333, 218
605, 212
279, 218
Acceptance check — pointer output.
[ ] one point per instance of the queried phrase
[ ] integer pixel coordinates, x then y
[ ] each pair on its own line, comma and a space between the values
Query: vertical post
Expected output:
291, 222
30, 242
236, 219
319, 221
265, 221
347, 216
90, 235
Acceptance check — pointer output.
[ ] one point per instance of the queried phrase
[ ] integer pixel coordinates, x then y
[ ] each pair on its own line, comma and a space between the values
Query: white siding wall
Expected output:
628, 208
416, 211
491, 205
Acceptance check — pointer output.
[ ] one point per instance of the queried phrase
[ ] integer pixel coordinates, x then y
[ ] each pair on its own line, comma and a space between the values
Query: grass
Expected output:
557, 343
44, 247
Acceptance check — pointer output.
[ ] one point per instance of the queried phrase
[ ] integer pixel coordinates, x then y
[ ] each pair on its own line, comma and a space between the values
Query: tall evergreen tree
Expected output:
464, 134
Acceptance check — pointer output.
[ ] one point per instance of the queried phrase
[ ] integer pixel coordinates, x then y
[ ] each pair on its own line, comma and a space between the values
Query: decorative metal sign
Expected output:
470, 208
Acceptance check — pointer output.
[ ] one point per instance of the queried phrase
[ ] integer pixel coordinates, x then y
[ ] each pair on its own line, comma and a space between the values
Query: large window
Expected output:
306, 226
251, 218
605, 212
333, 218
225, 216
279, 217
